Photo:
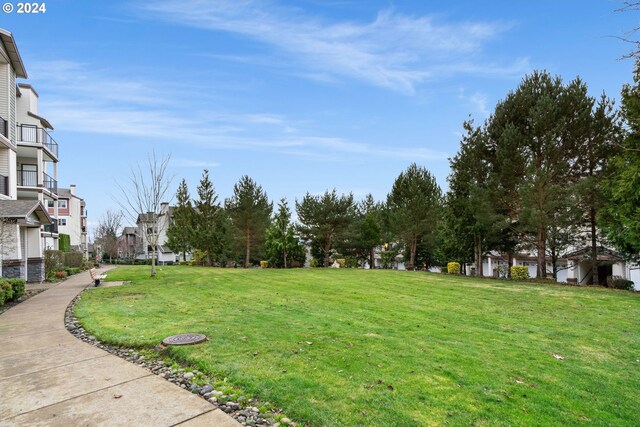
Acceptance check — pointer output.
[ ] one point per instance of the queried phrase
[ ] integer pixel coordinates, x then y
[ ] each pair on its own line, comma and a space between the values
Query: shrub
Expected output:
6, 292
351, 262
453, 267
18, 287
341, 262
72, 270
519, 272
73, 259
388, 259
444, 270
60, 275
184, 262
264, 264
53, 261
313, 263
617, 282
502, 270
64, 242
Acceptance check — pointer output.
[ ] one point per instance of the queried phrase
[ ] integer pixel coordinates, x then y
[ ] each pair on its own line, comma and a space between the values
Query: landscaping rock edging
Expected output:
245, 411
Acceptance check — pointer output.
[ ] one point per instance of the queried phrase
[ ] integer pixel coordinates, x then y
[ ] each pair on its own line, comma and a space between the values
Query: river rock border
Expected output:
244, 411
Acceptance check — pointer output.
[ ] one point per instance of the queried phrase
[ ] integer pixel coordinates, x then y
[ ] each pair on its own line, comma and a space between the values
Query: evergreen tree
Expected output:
324, 220
472, 221
536, 136
211, 224
180, 231
282, 246
364, 233
414, 206
369, 228
249, 210
620, 215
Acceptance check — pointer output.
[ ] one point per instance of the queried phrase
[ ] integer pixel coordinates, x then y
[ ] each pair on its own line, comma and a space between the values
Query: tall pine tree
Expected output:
414, 204
210, 230
180, 232
282, 246
324, 220
249, 210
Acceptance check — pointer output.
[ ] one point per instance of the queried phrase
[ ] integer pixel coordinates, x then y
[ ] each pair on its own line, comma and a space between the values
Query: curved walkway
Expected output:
50, 378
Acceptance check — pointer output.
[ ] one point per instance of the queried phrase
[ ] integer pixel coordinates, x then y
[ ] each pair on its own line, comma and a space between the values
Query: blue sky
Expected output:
303, 95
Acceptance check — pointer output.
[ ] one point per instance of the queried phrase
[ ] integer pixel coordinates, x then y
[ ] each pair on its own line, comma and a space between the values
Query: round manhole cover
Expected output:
184, 339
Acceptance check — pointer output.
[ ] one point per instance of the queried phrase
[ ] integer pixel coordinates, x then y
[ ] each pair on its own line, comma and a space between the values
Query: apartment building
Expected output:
28, 172
144, 223
72, 218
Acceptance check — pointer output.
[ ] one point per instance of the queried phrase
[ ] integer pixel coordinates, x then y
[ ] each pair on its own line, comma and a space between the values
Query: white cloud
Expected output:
393, 51
143, 111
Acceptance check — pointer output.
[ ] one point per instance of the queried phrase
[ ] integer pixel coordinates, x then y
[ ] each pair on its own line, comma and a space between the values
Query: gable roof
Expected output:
22, 209
14, 55
603, 254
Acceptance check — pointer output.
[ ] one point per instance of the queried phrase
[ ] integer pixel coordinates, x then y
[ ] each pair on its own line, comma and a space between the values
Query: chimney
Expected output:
72, 189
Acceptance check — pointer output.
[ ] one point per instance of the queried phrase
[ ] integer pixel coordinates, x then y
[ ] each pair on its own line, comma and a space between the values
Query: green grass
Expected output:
359, 347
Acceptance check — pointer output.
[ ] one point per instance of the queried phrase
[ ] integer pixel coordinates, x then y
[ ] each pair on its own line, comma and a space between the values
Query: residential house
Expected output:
72, 218
572, 267
28, 172
129, 243
146, 223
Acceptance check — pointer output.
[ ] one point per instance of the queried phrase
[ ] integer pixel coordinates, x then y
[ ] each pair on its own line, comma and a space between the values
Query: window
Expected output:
62, 221
62, 204
49, 203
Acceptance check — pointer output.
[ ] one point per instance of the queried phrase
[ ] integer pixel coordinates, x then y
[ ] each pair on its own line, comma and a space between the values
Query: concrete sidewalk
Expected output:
50, 378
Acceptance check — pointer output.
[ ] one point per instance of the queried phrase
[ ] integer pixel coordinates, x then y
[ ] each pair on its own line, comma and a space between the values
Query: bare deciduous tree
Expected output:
106, 234
142, 196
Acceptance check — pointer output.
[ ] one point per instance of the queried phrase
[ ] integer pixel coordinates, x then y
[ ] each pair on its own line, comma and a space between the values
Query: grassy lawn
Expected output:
359, 347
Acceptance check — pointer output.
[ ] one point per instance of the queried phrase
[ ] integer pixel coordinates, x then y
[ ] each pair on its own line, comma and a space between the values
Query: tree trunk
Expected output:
477, 249
509, 263
554, 263
327, 251
595, 280
153, 261
541, 271
284, 254
414, 245
372, 258
247, 253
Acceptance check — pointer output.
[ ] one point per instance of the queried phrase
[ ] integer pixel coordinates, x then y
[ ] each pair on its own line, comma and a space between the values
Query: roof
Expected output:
22, 209
14, 55
603, 254
28, 86
148, 217
164, 249
130, 230
66, 193
44, 122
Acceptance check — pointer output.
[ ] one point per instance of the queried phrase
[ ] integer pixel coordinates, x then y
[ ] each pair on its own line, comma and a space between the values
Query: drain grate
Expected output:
184, 339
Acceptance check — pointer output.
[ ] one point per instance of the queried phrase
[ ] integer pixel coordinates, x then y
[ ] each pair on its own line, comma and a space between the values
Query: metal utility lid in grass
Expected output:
184, 339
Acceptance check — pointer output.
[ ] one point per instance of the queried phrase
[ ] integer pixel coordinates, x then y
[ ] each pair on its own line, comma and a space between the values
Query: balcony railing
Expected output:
30, 179
4, 185
51, 228
50, 183
4, 127
36, 135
